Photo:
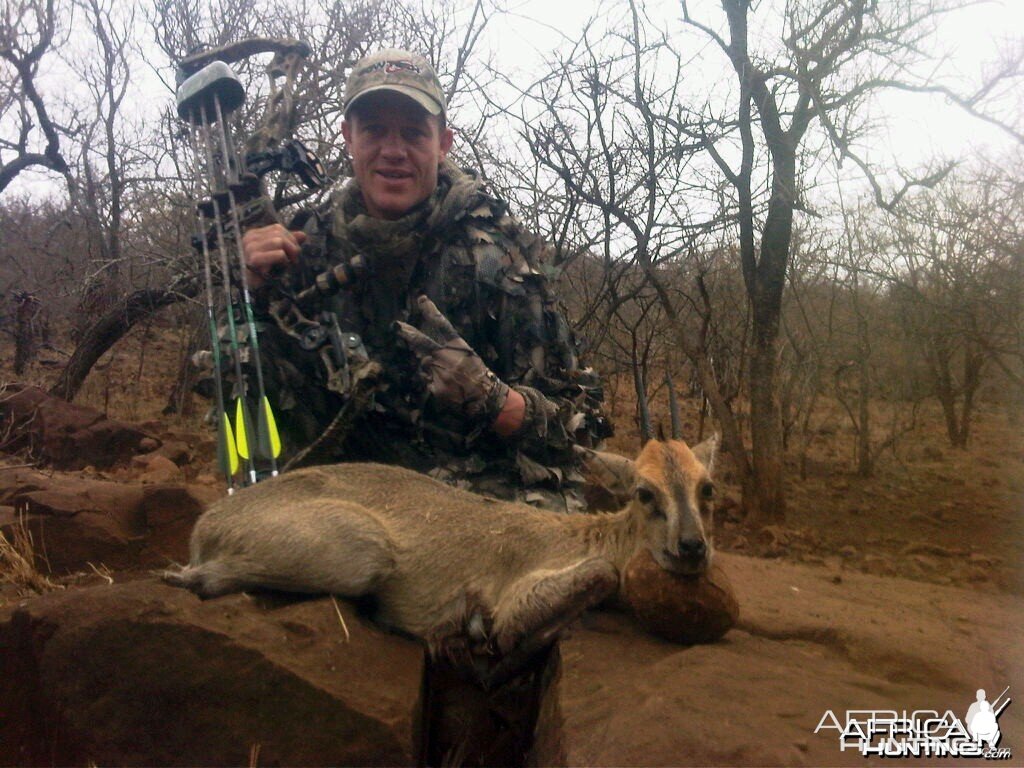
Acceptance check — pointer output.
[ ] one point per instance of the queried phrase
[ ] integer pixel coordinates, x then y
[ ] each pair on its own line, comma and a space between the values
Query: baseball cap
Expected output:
396, 70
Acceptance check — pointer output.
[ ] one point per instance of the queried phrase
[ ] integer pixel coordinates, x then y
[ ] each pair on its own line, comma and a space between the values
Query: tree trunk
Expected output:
732, 435
180, 400
768, 504
864, 402
24, 332
765, 292
974, 362
643, 413
764, 273
958, 425
108, 330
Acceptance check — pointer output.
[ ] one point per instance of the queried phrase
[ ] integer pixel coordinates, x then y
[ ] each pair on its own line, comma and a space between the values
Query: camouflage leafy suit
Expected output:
491, 280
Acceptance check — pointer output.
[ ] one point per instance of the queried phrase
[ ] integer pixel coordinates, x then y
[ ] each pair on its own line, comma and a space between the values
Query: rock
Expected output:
76, 522
148, 444
208, 479
65, 496
880, 566
924, 564
177, 451
14, 481
155, 468
64, 435
773, 536
927, 548
683, 609
170, 512
144, 674
976, 574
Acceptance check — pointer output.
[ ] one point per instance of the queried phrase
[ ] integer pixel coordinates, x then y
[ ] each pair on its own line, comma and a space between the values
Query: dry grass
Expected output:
341, 618
18, 564
103, 572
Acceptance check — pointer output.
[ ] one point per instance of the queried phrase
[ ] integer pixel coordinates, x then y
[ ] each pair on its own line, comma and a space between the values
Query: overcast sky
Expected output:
919, 126
916, 127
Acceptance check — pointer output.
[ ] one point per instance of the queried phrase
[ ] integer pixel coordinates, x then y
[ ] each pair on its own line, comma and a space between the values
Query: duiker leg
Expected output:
211, 579
311, 547
534, 609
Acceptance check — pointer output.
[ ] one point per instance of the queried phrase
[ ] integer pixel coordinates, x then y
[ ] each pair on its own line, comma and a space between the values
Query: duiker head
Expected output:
674, 494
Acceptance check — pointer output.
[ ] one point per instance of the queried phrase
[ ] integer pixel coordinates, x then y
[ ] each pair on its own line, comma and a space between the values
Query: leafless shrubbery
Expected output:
18, 561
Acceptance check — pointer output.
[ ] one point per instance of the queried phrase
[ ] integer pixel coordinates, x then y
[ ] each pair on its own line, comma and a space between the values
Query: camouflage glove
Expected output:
453, 372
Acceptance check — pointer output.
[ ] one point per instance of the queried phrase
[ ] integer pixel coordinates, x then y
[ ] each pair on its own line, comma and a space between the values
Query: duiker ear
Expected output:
706, 452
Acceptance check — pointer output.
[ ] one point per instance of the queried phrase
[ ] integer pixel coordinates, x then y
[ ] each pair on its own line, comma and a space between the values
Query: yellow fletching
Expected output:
241, 436
271, 424
229, 445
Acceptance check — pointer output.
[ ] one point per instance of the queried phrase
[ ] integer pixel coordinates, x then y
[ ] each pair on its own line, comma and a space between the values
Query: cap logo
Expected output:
390, 67
394, 66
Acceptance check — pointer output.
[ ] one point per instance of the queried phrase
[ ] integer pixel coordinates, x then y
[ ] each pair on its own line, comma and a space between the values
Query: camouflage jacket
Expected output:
491, 278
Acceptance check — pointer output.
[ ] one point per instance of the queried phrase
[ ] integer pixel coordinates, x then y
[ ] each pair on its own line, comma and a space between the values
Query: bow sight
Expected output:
229, 193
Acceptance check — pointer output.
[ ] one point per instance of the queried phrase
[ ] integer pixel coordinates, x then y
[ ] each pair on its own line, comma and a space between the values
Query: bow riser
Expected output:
204, 100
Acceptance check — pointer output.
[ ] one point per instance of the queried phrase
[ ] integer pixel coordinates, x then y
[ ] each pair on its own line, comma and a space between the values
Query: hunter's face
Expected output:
396, 148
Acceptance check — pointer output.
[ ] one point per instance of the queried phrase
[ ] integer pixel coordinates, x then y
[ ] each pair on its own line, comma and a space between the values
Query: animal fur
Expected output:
441, 562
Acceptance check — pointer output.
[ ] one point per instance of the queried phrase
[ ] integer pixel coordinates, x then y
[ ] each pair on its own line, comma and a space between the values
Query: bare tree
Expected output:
594, 125
662, 176
958, 282
30, 137
832, 58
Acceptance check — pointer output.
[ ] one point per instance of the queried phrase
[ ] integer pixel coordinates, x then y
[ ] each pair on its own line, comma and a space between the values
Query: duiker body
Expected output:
439, 561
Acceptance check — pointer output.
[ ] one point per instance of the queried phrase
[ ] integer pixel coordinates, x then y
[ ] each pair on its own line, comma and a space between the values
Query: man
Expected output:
480, 384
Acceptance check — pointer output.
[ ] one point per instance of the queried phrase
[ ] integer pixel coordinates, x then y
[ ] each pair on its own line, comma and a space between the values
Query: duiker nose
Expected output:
692, 548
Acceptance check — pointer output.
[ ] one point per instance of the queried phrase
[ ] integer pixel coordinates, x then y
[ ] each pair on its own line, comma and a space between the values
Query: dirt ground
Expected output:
810, 640
901, 590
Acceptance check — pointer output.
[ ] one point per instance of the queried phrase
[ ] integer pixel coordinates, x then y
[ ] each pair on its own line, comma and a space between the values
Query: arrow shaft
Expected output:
227, 150
222, 248
218, 379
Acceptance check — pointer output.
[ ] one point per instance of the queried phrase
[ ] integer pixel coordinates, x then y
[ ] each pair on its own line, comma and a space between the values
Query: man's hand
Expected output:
268, 250
455, 375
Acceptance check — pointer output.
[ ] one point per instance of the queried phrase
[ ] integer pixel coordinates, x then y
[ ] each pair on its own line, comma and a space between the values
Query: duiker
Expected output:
441, 562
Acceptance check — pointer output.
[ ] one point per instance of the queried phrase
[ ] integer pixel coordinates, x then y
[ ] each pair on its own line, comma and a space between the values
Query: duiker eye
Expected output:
645, 495
707, 491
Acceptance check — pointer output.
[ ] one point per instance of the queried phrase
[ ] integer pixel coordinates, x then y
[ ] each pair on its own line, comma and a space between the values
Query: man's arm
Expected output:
510, 420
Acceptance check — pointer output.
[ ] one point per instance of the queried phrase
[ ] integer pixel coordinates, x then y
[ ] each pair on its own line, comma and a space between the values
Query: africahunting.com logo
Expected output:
923, 733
